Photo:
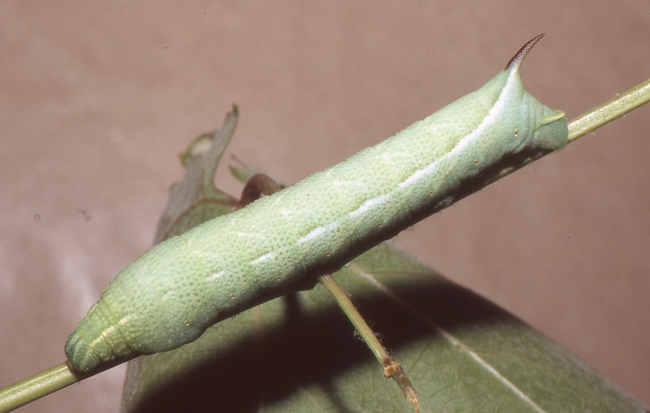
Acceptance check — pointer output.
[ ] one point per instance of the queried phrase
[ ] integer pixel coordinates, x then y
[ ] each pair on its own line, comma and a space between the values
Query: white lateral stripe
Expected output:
368, 204
263, 258
313, 234
215, 275
467, 140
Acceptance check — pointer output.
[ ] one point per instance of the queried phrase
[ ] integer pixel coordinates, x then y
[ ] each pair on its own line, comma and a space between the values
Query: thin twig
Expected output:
391, 368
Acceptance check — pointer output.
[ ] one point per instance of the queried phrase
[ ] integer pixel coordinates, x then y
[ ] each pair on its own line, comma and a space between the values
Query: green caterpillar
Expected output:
171, 294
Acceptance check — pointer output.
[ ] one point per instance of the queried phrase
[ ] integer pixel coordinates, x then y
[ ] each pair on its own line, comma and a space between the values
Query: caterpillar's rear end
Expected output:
146, 309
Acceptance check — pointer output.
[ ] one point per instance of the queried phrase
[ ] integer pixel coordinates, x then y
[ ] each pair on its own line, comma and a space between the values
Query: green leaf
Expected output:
195, 199
298, 353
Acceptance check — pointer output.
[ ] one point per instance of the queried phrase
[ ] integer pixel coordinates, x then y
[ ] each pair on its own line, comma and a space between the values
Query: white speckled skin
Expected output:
172, 293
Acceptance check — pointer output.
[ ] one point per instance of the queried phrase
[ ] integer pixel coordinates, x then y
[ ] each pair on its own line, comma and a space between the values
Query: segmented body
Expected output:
281, 243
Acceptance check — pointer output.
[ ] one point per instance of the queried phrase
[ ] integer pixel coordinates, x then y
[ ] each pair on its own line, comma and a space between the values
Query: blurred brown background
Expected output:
97, 99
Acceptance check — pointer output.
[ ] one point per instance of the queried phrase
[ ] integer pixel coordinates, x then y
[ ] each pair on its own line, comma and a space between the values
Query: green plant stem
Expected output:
35, 387
610, 110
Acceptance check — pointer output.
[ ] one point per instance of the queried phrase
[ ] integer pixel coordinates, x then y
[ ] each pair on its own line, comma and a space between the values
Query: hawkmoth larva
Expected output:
281, 243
